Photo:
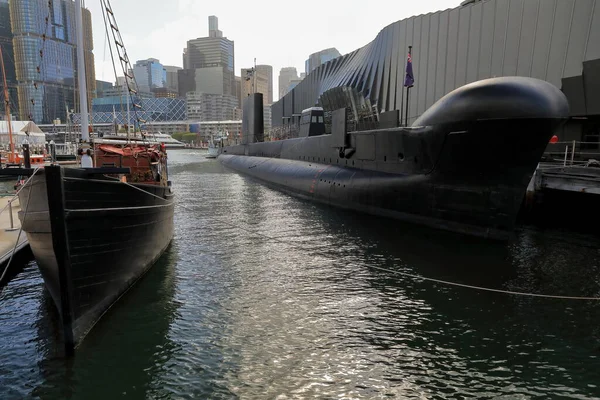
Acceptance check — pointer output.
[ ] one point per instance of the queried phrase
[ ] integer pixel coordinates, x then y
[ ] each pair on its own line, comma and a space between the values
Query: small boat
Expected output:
96, 229
168, 140
158, 138
213, 148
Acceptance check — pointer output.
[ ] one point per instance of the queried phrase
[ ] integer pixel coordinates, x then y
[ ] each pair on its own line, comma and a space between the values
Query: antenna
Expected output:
254, 77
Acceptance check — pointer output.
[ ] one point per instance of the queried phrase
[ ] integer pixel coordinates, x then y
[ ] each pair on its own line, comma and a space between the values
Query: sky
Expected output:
275, 32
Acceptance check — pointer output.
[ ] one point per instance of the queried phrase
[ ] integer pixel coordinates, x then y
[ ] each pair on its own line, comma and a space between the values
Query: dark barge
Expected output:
93, 235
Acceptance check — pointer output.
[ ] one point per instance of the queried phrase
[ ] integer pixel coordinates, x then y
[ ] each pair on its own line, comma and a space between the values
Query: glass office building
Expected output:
149, 74
46, 70
6, 41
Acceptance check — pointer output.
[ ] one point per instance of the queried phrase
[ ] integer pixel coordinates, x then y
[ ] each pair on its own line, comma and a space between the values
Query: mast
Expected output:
11, 157
85, 134
127, 98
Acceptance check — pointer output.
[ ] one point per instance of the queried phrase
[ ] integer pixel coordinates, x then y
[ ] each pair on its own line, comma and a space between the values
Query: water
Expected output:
262, 295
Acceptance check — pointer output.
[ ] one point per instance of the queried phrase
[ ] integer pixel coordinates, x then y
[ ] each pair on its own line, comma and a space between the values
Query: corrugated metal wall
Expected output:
545, 39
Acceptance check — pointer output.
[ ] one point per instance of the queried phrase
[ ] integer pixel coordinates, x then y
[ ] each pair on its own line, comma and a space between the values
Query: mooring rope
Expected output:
19, 191
419, 277
21, 227
145, 191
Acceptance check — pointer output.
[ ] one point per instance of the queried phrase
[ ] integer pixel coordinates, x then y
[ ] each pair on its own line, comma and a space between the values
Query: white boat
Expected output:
214, 147
213, 151
168, 140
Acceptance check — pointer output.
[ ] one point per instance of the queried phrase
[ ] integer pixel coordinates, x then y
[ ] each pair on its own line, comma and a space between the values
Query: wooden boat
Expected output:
97, 229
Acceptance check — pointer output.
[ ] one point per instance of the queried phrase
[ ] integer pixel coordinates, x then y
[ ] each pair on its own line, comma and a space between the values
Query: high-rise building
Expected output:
172, 80
6, 42
165, 92
210, 107
267, 118
286, 75
102, 87
320, 57
149, 74
213, 27
259, 80
238, 90
46, 70
208, 64
267, 72
293, 83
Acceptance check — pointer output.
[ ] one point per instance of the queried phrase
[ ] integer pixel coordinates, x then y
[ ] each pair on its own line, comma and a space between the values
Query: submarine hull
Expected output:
465, 190
463, 166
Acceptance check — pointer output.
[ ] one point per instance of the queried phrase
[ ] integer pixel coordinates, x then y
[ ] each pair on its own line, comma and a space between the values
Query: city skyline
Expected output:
278, 38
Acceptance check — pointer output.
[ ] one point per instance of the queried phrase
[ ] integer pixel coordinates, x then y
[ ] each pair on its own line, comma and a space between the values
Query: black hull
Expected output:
113, 233
480, 197
464, 166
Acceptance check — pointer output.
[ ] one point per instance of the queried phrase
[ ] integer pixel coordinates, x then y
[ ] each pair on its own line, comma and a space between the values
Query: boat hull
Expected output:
463, 165
438, 177
114, 233
213, 152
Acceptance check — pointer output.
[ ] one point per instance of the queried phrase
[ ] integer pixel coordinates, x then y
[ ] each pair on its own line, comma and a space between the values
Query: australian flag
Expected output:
409, 80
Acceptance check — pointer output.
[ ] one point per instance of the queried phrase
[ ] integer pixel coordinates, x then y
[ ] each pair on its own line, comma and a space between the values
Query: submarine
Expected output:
462, 166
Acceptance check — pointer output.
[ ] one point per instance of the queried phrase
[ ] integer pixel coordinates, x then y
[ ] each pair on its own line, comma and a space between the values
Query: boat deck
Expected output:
8, 237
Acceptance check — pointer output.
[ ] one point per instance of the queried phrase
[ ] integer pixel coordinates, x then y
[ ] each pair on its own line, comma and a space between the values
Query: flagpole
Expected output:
402, 108
407, 92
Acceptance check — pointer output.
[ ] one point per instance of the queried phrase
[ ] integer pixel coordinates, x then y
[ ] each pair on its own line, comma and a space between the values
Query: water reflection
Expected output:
266, 296
333, 318
125, 352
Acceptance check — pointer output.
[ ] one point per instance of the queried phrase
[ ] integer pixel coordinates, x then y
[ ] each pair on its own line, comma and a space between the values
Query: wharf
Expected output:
8, 238
564, 196
572, 178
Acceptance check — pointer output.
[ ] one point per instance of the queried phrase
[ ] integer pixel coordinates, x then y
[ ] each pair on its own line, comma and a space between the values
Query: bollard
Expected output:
26, 158
52, 149
10, 213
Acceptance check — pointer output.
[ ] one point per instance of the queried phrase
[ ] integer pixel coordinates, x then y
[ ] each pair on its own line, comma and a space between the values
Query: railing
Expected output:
281, 133
572, 153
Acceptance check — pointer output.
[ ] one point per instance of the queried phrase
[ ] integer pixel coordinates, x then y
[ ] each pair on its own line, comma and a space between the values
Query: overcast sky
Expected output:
275, 32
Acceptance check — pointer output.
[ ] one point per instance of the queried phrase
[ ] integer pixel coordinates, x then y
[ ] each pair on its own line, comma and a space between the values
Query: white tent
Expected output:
22, 130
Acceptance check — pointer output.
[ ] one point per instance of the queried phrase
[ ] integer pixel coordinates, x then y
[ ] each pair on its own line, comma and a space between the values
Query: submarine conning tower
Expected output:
498, 99
252, 119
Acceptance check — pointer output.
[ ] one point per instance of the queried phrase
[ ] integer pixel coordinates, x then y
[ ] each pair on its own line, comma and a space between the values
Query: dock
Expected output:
564, 194
9, 232
568, 178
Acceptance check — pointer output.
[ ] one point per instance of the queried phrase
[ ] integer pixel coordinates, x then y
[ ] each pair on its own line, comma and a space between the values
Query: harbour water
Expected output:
263, 295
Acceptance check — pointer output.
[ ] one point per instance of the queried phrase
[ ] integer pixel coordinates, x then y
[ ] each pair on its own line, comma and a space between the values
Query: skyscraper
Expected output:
149, 74
211, 59
102, 87
286, 76
267, 72
172, 82
6, 42
320, 57
213, 27
45, 57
